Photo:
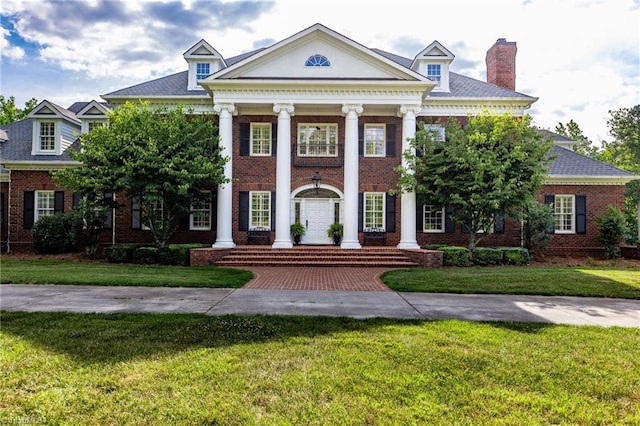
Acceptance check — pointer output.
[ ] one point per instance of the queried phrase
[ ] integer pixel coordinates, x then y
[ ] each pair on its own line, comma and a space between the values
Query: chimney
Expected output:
501, 64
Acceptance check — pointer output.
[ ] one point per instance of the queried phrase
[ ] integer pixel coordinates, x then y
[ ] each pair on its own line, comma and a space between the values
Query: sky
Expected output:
581, 58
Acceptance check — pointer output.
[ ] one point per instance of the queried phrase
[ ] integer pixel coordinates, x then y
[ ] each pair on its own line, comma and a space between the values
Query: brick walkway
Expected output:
317, 278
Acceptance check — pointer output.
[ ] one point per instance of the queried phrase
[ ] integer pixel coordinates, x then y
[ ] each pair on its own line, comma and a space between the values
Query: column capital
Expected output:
347, 108
226, 107
409, 108
287, 107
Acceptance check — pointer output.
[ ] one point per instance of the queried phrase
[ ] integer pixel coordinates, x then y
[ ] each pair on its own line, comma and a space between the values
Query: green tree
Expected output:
9, 112
584, 145
490, 167
163, 157
611, 231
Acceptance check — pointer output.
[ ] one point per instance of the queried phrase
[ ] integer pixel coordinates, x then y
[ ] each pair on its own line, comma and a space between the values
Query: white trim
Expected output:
384, 140
251, 224
572, 230
40, 165
210, 209
364, 209
36, 207
433, 231
588, 180
260, 124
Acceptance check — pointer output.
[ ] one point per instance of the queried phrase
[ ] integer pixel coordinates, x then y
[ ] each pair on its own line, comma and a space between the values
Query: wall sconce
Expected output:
316, 180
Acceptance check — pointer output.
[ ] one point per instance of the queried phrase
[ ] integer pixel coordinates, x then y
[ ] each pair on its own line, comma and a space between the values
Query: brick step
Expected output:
340, 263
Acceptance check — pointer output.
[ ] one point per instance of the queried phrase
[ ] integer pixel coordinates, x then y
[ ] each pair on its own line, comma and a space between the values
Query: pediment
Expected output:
93, 109
435, 51
202, 50
47, 109
317, 53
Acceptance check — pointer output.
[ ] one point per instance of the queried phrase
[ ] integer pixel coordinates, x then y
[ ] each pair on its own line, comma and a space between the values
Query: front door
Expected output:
317, 217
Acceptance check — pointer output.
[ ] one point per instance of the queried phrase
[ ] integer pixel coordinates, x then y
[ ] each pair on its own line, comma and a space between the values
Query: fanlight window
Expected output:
317, 61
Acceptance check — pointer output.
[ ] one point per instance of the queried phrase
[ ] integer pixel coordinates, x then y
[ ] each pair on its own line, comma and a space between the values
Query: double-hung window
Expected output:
200, 218
436, 131
202, 71
47, 136
261, 139
260, 208
433, 218
374, 210
44, 204
374, 140
434, 73
564, 214
318, 140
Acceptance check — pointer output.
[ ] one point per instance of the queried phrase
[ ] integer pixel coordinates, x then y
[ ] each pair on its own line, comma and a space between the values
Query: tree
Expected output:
583, 145
491, 167
10, 113
611, 231
162, 157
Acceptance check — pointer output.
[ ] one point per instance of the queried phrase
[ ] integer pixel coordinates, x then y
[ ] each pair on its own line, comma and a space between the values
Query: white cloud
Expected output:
8, 51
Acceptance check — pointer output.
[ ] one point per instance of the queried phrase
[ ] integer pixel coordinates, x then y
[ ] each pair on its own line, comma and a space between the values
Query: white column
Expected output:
351, 177
408, 199
283, 177
224, 235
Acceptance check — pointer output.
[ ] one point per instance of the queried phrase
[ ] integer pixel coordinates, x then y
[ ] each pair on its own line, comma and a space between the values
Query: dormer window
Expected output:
317, 61
434, 73
202, 71
47, 136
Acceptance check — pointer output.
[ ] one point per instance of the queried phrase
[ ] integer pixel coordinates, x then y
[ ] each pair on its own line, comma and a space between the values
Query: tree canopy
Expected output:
488, 168
9, 112
162, 157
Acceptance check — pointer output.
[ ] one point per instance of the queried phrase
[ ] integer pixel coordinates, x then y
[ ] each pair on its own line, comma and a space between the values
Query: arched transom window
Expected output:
317, 60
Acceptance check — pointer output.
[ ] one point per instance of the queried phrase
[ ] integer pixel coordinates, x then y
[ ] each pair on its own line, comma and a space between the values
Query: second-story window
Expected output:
434, 73
260, 139
47, 136
318, 140
93, 124
202, 71
374, 140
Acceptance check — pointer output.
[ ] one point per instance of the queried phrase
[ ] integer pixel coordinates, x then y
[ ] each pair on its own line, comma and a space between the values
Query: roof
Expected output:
18, 147
568, 163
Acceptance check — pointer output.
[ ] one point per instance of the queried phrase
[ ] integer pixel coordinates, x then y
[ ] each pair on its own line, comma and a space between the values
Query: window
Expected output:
260, 209
93, 124
151, 210
374, 140
317, 61
433, 219
433, 73
564, 211
44, 204
374, 210
200, 218
260, 138
47, 136
318, 140
202, 71
436, 130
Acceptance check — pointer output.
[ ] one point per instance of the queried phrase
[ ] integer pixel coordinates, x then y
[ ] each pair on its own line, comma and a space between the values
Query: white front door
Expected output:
317, 217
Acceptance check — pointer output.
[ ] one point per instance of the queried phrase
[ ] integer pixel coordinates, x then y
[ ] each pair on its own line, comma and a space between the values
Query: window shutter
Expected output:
243, 210
245, 139
273, 211
360, 210
58, 202
76, 200
391, 140
498, 226
136, 213
184, 219
108, 221
28, 211
581, 214
549, 200
419, 217
214, 210
2, 209
274, 139
449, 224
360, 140
390, 219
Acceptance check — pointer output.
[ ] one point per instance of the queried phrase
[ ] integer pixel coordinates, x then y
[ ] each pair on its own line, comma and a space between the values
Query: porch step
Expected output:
386, 257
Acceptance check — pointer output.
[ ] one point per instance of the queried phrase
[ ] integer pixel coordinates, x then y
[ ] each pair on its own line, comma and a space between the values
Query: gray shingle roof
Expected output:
18, 147
570, 163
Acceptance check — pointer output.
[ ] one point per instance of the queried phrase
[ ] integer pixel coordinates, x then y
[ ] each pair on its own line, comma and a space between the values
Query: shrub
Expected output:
515, 256
484, 256
52, 234
146, 255
612, 229
434, 246
177, 254
537, 225
456, 256
120, 253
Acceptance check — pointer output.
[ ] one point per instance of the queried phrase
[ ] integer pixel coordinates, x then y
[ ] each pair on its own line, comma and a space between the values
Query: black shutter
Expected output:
391, 140
245, 139
184, 219
449, 224
549, 200
273, 211
214, 210
498, 226
2, 209
28, 211
136, 213
361, 140
419, 217
581, 214
360, 210
58, 202
274, 139
243, 210
76, 200
108, 201
390, 219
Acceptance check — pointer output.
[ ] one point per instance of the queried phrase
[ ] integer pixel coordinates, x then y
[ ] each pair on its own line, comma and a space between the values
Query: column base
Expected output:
286, 244
408, 245
350, 245
224, 244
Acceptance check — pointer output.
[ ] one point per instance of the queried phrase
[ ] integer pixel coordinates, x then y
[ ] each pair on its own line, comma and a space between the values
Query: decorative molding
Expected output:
226, 107
287, 107
40, 165
404, 109
470, 108
357, 108
588, 180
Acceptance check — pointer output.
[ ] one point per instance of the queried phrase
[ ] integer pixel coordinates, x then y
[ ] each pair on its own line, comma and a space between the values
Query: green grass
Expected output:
140, 369
549, 281
50, 271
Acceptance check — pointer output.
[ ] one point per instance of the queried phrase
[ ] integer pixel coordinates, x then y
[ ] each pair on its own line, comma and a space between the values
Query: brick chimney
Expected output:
501, 64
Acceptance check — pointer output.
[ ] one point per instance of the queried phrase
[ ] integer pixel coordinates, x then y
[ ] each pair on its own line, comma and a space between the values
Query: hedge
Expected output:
456, 256
173, 254
484, 256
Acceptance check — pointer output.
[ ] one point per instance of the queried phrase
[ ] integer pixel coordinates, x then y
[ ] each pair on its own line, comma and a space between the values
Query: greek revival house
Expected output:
314, 126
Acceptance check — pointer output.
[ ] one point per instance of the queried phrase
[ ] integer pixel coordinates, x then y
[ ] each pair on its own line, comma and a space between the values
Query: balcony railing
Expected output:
318, 155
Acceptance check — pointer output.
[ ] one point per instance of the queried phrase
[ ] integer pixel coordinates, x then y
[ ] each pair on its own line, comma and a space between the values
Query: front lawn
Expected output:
56, 271
548, 281
90, 369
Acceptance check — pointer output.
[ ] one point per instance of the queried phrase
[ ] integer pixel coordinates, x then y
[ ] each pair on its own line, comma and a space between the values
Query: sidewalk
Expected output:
356, 304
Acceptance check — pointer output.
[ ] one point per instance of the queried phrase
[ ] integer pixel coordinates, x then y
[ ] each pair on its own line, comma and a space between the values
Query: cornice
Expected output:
588, 180
39, 165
